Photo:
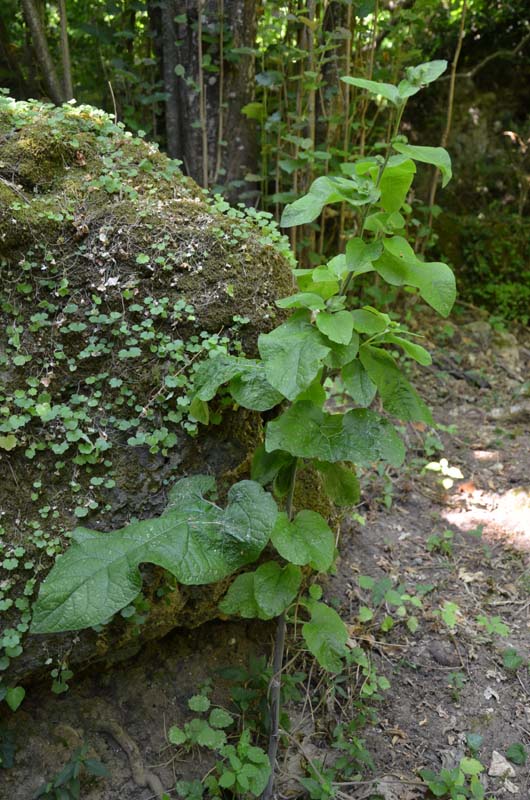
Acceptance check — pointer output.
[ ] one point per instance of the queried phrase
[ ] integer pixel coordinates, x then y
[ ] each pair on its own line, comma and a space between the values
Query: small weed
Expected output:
66, 785
441, 543
458, 783
457, 681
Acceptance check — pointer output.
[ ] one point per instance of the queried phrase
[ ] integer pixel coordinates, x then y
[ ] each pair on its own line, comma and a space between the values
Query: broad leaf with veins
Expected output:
195, 540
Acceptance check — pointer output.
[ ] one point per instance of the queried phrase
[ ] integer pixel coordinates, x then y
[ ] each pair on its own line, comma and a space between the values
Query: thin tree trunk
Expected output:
196, 101
65, 53
42, 52
169, 65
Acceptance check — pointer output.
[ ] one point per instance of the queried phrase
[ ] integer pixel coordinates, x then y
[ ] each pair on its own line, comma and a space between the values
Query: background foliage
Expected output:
248, 96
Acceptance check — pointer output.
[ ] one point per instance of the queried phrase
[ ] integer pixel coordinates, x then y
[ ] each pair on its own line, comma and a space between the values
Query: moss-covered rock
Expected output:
117, 275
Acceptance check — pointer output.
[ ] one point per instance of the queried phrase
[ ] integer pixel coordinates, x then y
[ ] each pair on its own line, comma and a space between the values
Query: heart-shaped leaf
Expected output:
306, 540
195, 540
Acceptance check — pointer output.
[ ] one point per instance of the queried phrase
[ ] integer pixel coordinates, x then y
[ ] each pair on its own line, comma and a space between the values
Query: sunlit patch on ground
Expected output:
504, 515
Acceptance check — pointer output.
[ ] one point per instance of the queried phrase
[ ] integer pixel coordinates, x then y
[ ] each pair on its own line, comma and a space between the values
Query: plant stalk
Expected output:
275, 686
279, 642
449, 121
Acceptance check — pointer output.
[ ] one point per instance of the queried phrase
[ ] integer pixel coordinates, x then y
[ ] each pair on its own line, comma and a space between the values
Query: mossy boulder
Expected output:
118, 274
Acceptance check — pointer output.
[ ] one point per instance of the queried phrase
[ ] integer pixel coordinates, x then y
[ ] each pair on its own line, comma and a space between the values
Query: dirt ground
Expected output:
446, 680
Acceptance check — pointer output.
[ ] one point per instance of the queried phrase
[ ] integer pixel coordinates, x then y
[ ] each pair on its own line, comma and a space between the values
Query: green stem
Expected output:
279, 641
347, 281
275, 685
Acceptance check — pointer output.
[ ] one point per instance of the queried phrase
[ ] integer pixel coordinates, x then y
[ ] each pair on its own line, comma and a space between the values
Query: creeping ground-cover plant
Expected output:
328, 344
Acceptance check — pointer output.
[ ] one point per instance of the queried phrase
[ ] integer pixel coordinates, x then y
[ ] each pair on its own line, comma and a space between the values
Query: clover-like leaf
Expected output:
199, 703
219, 718
195, 540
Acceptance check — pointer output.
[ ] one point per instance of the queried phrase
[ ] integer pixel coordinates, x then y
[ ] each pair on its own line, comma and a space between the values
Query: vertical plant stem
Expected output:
264, 152
373, 48
275, 685
202, 99
311, 103
220, 128
448, 122
346, 120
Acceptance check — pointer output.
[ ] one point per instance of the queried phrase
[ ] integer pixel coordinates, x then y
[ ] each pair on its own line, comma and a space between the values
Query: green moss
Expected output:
118, 275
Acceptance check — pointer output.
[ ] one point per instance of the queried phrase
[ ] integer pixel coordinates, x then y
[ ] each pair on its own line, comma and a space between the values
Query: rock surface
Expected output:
118, 274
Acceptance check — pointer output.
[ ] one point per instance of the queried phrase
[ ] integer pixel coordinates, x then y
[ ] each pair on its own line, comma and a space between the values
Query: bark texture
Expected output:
42, 52
227, 85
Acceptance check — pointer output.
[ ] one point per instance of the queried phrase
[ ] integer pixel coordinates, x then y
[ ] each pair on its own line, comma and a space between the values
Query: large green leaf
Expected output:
387, 222
400, 266
342, 353
415, 351
213, 372
246, 377
309, 283
386, 90
306, 540
337, 327
293, 354
360, 256
325, 636
395, 182
195, 540
355, 190
265, 466
240, 598
426, 73
399, 397
437, 156
263, 594
360, 436
340, 482
358, 384
276, 587
252, 390
302, 300
369, 320
304, 210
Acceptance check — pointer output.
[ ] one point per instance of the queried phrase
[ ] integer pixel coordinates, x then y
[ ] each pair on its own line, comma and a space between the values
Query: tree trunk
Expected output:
42, 52
168, 12
65, 53
203, 102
